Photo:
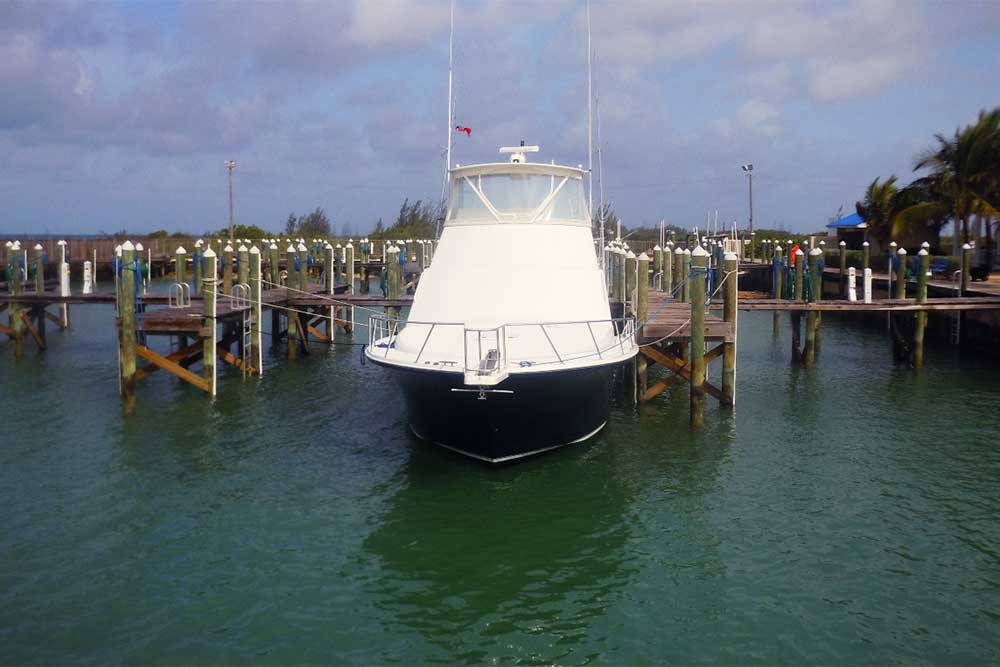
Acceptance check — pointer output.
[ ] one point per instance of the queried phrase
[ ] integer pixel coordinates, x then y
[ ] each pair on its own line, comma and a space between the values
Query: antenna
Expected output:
451, 60
590, 122
600, 160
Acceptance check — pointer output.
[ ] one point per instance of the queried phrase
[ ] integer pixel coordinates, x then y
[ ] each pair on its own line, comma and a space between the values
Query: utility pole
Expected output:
229, 168
748, 168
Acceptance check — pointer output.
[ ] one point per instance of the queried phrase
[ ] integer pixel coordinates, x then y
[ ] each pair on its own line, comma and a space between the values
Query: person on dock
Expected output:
383, 281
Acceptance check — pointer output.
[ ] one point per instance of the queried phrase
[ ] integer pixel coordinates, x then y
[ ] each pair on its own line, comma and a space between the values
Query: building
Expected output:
851, 229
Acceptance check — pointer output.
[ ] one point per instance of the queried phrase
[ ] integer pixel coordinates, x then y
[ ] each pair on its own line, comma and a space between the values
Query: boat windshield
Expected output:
517, 198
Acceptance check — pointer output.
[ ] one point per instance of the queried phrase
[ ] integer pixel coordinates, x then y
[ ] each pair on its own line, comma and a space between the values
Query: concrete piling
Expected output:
843, 269
631, 277
667, 282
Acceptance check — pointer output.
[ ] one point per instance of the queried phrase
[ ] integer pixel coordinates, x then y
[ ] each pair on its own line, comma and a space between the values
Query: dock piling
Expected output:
126, 333
641, 313
776, 286
64, 289
290, 286
843, 269
696, 283
254, 270
812, 320
210, 333
227, 270
730, 267
921, 315
901, 275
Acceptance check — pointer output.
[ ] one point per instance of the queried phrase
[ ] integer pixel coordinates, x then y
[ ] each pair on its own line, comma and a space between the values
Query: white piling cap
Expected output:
699, 252
327, 246
16, 245
925, 244
798, 252
843, 244
815, 252
892, 245
199, 243
302, 247
290, 248
349, 245
338, 246
181, 250
679, 251
729, 256
777, 248
128, 246
61, 242
657, 248
923, 252
901, 251
630, 255
38, 246
865, 244
391, 248
822, 242
228, 248
273, 246
8, 244
642, 257
118, 250
254, 250
242, 248
686, 251
209, 253
966, 246
138, 246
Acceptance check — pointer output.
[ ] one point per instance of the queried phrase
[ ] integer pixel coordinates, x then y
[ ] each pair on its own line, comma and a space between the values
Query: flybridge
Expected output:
517, 191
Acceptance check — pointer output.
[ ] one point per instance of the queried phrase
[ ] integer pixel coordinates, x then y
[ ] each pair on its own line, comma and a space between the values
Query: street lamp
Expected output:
748, 168
230, 165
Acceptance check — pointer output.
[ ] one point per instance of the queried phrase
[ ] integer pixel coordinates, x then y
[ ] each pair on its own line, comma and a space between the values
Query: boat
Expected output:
510, 347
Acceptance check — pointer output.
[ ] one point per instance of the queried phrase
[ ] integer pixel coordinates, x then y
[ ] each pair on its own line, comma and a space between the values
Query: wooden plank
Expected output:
232, 359
33, 331
316, 332
660, 387
170, 366
176, 357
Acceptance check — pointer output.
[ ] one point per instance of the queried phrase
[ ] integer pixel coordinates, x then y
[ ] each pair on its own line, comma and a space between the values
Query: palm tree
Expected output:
963, 174
879, 208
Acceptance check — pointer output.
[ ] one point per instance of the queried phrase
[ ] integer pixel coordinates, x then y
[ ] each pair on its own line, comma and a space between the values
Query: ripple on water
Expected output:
840, 515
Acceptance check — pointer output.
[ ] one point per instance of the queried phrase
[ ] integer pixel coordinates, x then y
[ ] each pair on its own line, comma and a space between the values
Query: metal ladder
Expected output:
241, 300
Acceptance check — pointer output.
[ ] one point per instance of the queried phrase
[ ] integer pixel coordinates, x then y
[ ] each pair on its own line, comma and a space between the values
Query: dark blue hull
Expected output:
525, 414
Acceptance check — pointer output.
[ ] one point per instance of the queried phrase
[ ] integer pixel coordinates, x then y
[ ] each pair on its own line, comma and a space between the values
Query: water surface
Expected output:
846, 514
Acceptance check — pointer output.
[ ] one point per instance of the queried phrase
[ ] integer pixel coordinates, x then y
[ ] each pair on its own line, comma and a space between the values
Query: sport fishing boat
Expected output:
509, 347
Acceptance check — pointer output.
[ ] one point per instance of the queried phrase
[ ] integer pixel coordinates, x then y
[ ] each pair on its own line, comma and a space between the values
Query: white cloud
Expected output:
831, 81
758, 116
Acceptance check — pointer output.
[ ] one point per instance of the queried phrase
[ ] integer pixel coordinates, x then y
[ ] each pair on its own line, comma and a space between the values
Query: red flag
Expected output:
467, 130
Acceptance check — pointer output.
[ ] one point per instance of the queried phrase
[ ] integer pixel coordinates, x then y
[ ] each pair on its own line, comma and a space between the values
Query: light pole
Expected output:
230, 164
748, 168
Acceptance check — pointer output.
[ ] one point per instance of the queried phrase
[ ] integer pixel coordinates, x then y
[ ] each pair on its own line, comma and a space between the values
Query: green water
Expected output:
845, 515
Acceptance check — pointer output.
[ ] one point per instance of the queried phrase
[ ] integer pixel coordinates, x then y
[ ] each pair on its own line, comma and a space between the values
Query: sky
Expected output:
121, 115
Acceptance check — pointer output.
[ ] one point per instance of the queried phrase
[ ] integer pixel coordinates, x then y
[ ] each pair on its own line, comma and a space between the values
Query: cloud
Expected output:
758, 116
830, 81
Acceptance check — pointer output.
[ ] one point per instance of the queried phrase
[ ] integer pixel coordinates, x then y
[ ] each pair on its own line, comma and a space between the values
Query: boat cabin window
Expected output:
517, 198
